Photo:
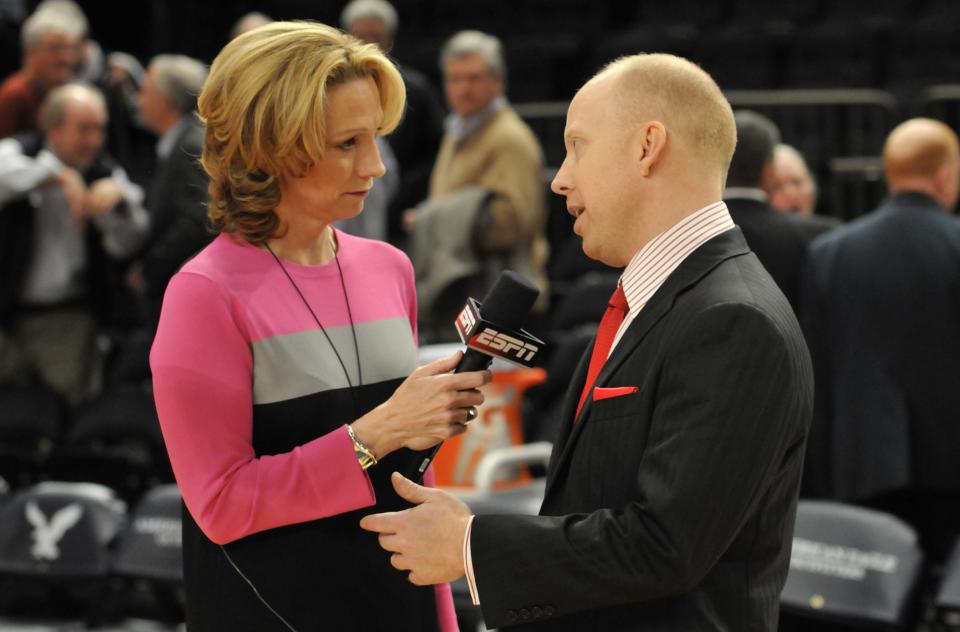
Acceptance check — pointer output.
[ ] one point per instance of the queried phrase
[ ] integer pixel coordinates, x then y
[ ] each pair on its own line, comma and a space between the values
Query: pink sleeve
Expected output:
202, 374
411, 297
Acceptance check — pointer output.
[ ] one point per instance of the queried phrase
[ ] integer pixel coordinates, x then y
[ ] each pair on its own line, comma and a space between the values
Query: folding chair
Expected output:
147, 567
851, 568
116, 441
947, 601
31, 419
54, 549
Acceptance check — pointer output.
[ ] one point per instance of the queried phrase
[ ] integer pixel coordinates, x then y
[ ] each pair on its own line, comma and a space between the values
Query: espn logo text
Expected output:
466, 321
505, 345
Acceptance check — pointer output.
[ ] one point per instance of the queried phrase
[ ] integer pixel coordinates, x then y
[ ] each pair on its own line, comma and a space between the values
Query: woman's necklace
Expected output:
353, 328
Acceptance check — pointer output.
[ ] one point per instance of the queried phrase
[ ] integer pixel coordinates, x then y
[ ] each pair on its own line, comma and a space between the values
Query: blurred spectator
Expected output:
127, 142
779, 240
413, 146
50, 40
487, 179
794, 189
128, 139
881, 307
90, 62
67, 212
248, 22
178, 190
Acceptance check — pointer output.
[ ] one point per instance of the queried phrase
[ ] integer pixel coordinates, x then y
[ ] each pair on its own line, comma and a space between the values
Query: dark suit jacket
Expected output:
780, 240
881, 303
178, 215
671, 508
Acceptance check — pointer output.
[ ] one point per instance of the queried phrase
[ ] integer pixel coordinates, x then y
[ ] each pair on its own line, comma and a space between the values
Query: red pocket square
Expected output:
600, 392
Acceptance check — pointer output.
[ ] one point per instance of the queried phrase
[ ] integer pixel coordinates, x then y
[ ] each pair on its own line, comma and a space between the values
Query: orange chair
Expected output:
498, 424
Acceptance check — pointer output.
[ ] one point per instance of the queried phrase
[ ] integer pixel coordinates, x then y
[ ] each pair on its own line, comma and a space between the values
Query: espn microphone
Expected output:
492, 329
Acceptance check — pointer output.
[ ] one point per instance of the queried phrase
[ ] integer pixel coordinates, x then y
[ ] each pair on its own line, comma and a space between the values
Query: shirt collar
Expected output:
650, 267
165, 145
459, 127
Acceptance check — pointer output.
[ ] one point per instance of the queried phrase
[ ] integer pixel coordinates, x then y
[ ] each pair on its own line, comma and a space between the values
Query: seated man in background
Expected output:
178, 188
51, 44
67, 212
486, 209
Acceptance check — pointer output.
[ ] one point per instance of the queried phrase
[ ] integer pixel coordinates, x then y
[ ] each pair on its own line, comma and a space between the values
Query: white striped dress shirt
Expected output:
650, 267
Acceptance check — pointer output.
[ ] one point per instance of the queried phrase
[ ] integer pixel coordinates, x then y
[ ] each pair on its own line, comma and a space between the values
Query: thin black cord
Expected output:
353, 328
255, 591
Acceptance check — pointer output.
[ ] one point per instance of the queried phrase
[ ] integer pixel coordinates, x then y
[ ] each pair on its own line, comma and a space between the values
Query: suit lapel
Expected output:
567, 410
700, 262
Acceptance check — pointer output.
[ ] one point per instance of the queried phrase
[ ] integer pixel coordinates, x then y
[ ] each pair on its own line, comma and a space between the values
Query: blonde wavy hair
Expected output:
264, 105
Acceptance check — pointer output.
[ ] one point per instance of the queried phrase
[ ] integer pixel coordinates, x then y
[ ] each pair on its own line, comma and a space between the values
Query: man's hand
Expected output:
104, 194
75, 192
426, 540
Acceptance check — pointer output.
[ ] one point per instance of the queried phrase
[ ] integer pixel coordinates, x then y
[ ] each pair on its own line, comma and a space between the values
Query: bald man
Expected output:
882, 314
672, 489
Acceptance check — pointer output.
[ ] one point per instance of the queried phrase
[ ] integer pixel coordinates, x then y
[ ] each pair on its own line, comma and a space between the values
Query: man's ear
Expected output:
943, 184
650, 142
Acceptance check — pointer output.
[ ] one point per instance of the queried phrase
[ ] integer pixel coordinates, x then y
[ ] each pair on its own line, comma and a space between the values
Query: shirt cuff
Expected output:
468, 565
49, 161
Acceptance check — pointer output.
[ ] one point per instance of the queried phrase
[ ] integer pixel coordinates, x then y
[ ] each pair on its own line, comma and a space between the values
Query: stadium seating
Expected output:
851, 568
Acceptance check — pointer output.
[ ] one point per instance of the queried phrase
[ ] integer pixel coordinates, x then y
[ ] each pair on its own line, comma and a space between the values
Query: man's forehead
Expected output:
83, 110
56, 37
589, 104
471, 62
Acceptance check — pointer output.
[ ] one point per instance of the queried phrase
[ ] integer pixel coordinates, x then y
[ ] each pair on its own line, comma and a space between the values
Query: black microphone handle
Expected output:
472, 360
507, 303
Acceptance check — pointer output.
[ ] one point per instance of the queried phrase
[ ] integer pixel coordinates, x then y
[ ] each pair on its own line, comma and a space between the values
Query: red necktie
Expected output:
612, 318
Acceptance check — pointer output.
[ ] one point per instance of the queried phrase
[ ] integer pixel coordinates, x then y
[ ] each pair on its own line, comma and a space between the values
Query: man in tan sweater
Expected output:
487, 144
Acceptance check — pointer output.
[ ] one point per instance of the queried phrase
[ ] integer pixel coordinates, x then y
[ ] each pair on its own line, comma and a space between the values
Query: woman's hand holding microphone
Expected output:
432, 405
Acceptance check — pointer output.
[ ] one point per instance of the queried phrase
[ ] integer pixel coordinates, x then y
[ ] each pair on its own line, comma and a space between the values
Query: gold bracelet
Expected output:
365, 455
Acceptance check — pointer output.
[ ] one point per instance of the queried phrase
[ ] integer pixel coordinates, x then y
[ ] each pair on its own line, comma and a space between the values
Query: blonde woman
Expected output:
284, 360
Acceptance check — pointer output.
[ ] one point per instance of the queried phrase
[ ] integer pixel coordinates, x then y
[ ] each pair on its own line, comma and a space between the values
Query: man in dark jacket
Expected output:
178, 188
780, 240
672, 488
881, 309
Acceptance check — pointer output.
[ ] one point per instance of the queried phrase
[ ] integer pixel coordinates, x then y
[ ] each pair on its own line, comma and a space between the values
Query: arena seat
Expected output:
851, 568
31, 420
116, 441
947, 601
147, 566
54, 549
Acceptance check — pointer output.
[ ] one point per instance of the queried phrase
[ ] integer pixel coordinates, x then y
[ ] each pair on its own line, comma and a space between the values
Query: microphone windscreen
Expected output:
509, 300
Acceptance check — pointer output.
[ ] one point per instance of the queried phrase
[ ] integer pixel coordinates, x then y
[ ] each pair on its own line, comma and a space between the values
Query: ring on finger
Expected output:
471, 414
